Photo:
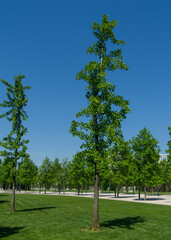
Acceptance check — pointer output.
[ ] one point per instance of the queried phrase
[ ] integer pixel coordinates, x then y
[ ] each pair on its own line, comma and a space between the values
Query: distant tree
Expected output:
14, 143
169, 146
46, 173
105, 110
121, 164
65, 166
166, 164
79, 173
146, 159
165, 172
56, 172
27, 172
6, 173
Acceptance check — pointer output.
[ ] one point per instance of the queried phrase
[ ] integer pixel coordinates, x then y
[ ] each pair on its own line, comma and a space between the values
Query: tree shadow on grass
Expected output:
35, 209
127, 222
3, 201
149, 199
7, 231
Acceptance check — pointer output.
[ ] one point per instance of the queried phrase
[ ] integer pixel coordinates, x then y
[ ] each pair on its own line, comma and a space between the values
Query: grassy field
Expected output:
61, 217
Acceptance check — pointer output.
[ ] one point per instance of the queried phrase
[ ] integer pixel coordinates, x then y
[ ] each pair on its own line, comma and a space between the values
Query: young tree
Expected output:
169, 146
46, 173
146, 159
6, 173
14, 143
57, 172
105, 110
27, 172
65, 166
166, 164
121, 164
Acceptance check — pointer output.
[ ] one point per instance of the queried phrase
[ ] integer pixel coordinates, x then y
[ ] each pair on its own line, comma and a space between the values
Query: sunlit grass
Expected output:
62, 217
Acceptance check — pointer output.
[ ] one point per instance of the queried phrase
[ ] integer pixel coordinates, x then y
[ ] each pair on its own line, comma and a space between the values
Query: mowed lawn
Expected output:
61, 217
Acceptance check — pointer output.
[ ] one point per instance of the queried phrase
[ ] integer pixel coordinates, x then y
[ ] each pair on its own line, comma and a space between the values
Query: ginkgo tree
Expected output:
14, 143
106, 109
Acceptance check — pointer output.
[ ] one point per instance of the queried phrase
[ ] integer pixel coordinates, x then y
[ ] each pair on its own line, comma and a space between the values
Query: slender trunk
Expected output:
81, 189
145, 193
109, 186
118, 191
59, 188
158, 191
45, 189
115, 189
152, 191
133, 190
25, 188
139, 192
78, 189
63, 187
95, 221
13, 189
86, 187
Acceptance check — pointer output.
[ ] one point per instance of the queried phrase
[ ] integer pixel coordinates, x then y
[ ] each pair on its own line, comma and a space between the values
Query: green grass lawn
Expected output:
61, 217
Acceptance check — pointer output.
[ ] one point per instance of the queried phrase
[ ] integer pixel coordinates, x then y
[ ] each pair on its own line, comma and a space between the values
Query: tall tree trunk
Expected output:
78, 189
115, 189
86, 187
158, 191
13, 189
59, 188
118, 191
95, 221
139, 192
145, 193
63, 187
109, 186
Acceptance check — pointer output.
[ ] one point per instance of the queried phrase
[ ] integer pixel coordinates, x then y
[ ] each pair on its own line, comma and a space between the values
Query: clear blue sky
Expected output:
47, 40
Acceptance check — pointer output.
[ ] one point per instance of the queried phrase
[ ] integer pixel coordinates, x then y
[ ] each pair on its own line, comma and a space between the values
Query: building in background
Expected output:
163, 156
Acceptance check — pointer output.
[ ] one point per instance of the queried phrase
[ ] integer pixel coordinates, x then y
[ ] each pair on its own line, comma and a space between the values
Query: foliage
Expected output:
6, 173
121, 164
27, 172
56, 172
106, 109
46, 173
169, 145
146, 159
14, 143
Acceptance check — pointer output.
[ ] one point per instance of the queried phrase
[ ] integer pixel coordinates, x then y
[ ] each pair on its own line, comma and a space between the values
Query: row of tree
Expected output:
104, 155
130, 163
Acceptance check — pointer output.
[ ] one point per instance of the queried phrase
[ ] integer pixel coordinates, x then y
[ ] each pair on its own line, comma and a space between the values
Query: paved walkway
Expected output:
153, 199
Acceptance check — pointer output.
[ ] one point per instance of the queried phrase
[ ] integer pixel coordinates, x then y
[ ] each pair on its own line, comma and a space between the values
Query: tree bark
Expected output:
13, 189
145, 193
63, 187
115, 189
139, 192
109, 186
86, 187
78, 189
95, 221
118, 191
